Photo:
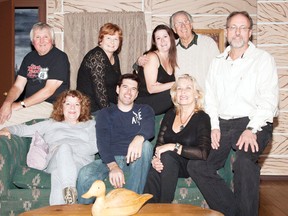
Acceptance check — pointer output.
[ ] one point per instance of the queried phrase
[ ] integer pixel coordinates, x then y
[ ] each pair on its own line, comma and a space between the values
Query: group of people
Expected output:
212, 103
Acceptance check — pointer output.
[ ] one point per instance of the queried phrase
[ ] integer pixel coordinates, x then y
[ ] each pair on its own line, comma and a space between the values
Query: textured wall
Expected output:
270, 29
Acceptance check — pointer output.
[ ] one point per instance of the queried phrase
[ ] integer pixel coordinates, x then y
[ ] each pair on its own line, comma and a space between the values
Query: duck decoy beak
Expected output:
87, 195
96, 189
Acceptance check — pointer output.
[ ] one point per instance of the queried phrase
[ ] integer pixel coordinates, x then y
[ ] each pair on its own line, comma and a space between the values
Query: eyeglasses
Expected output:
179, 24
236, 28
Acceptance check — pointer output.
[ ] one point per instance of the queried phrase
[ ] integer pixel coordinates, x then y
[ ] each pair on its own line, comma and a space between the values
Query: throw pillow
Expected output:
37, 154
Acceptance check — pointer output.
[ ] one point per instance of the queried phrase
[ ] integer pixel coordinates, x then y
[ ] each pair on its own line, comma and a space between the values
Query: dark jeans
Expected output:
245, 199
163, 185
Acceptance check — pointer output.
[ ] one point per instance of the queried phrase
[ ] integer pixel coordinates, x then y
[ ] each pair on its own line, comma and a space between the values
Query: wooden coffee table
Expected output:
148, 209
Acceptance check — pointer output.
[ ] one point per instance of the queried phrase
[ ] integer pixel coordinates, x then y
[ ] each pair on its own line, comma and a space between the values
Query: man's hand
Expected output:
247, 139
215, 138
135, 149
116, 175
157, 164
142, 60
5, 132
13, 94
5, 112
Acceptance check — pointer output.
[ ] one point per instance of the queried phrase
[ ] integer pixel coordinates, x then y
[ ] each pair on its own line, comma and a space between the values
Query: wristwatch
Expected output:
251, 129
23, 104
177, 146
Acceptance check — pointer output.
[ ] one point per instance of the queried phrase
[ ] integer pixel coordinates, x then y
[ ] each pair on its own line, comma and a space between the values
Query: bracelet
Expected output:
177, 146
23, 104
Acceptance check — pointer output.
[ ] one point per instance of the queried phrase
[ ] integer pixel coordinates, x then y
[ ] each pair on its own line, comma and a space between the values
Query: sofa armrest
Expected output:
12, 153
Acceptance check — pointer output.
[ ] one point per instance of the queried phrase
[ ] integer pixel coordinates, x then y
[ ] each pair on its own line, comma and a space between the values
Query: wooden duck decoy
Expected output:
119, 201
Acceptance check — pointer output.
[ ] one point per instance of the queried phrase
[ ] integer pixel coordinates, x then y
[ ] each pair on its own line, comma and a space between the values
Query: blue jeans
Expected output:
135, 173
244, 200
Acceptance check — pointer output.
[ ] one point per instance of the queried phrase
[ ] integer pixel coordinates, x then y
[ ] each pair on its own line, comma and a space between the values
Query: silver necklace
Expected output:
183, 123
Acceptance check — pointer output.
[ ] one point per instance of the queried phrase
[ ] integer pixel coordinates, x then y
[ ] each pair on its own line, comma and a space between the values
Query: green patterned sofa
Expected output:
23, 188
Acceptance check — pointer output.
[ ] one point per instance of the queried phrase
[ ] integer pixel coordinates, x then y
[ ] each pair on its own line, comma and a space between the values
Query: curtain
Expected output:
81, 35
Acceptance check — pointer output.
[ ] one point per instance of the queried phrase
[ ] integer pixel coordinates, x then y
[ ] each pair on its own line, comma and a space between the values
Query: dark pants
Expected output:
163, 185
245, 199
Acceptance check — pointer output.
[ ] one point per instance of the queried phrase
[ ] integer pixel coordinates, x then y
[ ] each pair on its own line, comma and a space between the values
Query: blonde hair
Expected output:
199, 93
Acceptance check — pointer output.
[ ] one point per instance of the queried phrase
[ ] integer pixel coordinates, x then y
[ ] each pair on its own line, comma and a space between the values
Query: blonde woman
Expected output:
184, 136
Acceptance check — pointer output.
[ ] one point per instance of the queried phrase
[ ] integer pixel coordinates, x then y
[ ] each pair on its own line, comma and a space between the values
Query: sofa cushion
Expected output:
29, 178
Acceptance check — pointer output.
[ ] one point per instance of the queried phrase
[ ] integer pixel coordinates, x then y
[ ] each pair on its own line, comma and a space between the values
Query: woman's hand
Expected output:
163, 148
157, 164
5, 132
215, 138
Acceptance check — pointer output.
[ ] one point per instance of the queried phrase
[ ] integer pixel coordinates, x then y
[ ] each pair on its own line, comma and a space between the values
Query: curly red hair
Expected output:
85, 113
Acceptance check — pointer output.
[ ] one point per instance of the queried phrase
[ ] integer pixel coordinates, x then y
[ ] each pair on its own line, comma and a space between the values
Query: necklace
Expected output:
183, 123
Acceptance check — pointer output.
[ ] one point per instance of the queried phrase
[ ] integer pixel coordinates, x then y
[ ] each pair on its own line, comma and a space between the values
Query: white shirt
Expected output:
245, 87
196, 59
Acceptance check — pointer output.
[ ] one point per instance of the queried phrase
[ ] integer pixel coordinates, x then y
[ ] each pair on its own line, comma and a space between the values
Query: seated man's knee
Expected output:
147, 148
244, 164
82, 175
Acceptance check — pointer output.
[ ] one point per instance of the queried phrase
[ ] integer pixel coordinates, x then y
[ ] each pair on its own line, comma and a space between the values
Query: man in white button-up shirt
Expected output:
241, 99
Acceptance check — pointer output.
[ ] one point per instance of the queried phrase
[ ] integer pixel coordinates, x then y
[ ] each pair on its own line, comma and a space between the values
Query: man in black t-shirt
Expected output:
45, 74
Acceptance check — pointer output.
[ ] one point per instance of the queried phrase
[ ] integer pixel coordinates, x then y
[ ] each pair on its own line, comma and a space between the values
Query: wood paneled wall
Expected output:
270, 30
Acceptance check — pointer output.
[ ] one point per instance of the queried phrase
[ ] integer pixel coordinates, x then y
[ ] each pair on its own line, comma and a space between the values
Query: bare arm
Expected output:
44, 93
151, 73
13, 94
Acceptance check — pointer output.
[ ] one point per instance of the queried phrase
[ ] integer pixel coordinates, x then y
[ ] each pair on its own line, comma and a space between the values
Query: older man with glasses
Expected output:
194, 51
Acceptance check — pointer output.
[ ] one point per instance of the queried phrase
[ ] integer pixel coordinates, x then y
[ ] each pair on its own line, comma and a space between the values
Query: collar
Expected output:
194, 41
250, 49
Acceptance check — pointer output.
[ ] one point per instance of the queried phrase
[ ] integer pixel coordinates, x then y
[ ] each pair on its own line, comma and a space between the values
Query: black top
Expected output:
161, 101
195, 137
38, 69
97, 78
162, 77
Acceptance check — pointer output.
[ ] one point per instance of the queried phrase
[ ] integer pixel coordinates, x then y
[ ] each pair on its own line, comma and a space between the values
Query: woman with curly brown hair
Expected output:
71, 138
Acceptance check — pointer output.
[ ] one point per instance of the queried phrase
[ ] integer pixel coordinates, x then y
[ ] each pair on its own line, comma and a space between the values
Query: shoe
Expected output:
70, 195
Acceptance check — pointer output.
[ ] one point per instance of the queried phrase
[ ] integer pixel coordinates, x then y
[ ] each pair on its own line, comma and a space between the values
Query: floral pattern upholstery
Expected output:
23, 188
